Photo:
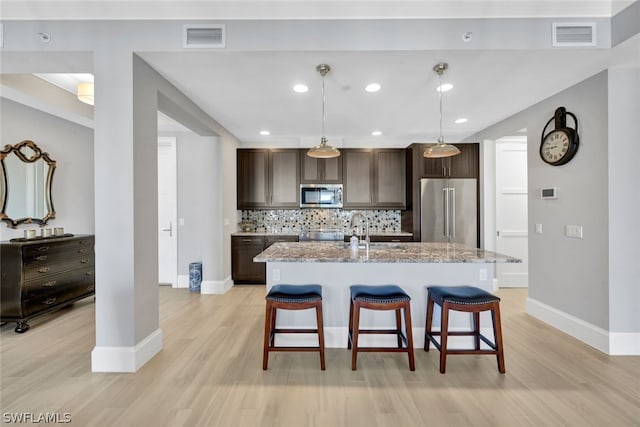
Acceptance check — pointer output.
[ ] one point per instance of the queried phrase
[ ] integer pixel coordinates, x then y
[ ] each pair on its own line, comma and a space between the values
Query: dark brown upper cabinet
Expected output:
374, 178
268, 179
320, 171
463, 165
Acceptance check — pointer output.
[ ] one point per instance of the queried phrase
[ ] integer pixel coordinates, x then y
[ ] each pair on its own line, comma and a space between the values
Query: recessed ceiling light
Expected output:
265, 132
461, 120
372, 87
376, 133
445, 87
300, 88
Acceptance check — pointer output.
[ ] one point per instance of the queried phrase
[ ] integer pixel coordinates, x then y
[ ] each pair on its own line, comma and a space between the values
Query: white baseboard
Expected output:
183, 281
126, 359
624, 343
586, 332
216, 287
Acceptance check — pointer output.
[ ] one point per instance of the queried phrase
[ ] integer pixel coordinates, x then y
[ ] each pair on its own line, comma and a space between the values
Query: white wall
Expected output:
71, 146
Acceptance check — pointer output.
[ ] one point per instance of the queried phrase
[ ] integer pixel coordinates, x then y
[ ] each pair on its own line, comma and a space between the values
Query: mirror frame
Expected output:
8, 149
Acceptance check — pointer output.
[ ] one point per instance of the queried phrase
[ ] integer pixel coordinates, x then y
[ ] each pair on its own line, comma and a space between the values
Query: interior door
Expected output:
511, 212
167, 213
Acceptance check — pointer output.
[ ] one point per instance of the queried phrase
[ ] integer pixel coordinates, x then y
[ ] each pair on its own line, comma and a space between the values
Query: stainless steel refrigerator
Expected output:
449, 210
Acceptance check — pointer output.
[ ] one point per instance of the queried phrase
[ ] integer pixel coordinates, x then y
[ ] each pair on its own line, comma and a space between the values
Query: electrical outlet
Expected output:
483, 274
573, 231
538, 228
276, 274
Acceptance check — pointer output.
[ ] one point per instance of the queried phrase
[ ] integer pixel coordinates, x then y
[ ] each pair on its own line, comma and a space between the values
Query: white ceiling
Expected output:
250, 91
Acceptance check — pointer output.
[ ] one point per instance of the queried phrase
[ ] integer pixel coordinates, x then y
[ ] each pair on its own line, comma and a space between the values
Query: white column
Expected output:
127, 322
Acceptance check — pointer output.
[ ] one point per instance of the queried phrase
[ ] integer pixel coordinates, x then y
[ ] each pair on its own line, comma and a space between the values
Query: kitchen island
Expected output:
412, 266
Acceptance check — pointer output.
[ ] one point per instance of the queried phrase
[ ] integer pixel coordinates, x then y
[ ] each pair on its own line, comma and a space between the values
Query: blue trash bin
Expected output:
195, 276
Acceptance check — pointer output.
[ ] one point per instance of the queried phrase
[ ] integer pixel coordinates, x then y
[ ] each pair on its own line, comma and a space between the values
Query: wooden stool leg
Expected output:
399, 327
429, 324
476, 329
267, 336
444, 332
497, 334
407, 322
320, 324
350, 334
356, 329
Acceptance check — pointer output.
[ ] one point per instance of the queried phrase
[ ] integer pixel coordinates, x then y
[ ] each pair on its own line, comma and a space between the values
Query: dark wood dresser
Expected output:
40, 276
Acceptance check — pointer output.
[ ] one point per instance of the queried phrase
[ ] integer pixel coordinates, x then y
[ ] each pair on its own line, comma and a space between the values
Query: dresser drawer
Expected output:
43, 302
48, 258
47, 268
59, 282
72, 246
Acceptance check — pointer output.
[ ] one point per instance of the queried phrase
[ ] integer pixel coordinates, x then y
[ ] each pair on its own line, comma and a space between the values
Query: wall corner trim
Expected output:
624, 343
216, 287
126, 359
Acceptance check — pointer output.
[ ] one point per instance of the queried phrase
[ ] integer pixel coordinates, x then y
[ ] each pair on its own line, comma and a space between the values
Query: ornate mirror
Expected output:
26, 174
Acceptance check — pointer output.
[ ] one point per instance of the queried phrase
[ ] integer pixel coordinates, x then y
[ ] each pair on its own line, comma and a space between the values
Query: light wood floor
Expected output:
209, 374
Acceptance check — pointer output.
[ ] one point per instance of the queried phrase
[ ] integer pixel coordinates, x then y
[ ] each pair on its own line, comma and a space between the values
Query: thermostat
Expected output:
549, 193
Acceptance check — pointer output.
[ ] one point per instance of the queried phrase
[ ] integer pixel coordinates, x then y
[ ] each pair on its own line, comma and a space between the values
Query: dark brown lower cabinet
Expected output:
244, 249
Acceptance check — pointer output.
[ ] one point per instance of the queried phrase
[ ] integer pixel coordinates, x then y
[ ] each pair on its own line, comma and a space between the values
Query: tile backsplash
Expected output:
286, 220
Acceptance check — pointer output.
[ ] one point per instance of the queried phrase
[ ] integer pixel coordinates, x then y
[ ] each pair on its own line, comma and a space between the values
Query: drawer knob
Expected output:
41, 258
82, 251
50, 301
49, 284
84, 260
89, 273
43, 269
90, 287
43, 248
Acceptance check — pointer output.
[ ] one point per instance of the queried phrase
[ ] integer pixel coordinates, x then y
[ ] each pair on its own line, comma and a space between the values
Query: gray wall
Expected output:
592, 278
71, 146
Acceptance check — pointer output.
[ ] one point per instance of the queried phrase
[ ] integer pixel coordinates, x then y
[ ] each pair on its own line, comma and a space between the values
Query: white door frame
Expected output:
168, 271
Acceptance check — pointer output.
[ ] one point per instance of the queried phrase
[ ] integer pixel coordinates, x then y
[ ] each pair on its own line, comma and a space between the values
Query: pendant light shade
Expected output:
440, 149
322, 150
84, 90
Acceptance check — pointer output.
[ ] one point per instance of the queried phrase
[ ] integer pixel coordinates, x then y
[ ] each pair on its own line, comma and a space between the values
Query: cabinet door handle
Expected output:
43, 248
41, 258
84, 260
49, 284
89, 273
50, 301
82, 251
247, 240
43, 269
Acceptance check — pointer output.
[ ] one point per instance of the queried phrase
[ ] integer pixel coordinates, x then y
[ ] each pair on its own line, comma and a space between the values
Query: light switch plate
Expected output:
573, 231
538, 228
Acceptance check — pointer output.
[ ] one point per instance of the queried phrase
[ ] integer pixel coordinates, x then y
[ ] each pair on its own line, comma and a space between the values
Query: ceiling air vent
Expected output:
574, 34
203, 36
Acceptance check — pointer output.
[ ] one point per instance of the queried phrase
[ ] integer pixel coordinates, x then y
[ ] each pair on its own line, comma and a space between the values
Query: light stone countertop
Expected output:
295, 233
379, 253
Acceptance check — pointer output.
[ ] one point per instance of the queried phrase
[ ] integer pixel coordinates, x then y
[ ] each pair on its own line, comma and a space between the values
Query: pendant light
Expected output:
440, 149
322, 150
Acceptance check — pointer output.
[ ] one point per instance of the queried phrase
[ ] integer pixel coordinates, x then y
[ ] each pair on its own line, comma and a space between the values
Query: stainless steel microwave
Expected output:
320, 195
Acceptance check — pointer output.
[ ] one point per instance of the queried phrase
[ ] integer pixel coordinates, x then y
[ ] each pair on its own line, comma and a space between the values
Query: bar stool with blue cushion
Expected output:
292, 297
469, 299
386, 297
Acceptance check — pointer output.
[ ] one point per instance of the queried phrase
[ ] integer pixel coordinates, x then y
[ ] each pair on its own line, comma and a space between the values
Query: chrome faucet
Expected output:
364, 243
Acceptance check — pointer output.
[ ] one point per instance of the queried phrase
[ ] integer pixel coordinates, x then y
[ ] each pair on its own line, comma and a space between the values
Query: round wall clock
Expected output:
559, 145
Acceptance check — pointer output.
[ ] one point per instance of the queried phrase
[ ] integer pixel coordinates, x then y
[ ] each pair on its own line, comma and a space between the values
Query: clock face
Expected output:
555, 147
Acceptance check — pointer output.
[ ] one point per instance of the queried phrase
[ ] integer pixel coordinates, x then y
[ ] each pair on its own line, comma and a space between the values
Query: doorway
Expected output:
511, 210
167, 213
